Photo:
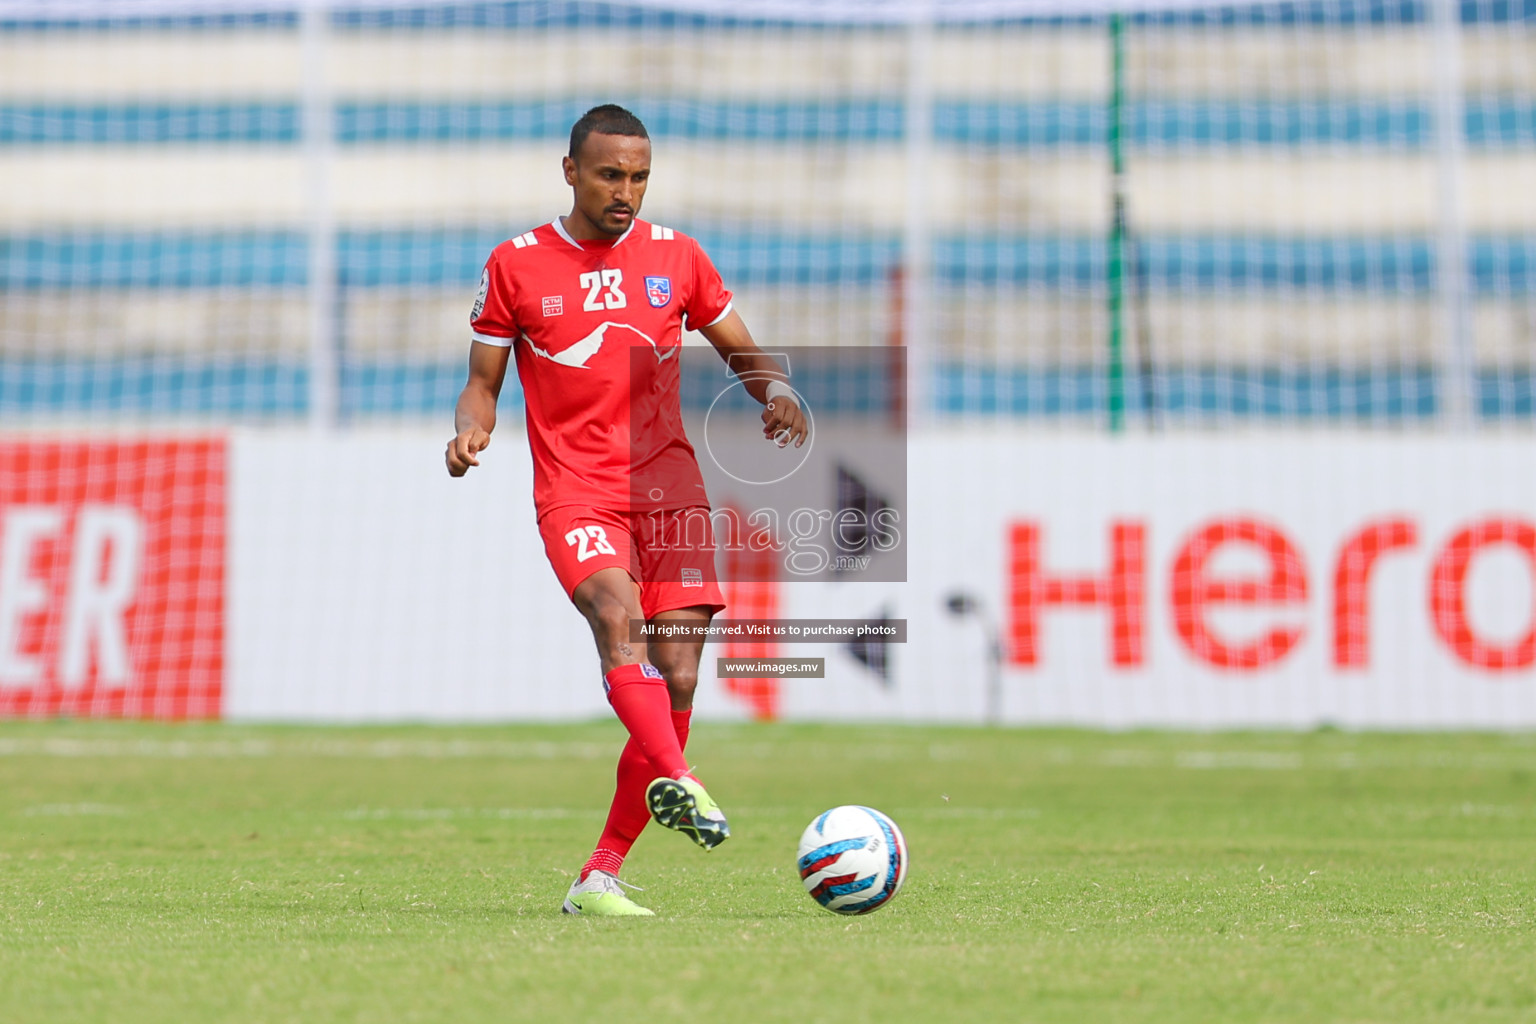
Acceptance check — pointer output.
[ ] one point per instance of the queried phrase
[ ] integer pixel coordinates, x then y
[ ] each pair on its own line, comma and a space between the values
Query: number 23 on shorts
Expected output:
589, 542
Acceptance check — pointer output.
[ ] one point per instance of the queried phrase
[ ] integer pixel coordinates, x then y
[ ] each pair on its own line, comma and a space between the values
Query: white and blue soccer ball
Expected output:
852, 859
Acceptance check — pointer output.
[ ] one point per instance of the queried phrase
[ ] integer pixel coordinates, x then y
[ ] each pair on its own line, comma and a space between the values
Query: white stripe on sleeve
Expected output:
723, 314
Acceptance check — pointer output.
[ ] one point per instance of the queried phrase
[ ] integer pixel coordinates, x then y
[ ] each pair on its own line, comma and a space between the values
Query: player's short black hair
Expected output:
608, 119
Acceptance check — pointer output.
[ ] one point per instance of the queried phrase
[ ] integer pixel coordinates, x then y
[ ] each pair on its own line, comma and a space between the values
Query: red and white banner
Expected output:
1267, 580
112, 578
1264, 580
1280, 580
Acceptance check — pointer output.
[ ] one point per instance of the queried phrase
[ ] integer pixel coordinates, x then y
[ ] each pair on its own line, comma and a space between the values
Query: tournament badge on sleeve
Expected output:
485, 290
658, 290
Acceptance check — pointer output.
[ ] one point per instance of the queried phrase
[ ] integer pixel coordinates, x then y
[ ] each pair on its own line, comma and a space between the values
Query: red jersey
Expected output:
596, 327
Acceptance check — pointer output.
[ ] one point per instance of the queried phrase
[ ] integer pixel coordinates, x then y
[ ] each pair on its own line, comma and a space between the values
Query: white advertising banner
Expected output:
366, 585
1259, 580
1256, 580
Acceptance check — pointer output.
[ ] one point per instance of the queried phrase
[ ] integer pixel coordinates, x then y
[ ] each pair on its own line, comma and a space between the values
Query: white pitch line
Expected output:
341, 749
1261, 760
74, 811
450, 813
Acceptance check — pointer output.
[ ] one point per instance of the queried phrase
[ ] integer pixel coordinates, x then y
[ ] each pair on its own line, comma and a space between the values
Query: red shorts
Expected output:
671, 554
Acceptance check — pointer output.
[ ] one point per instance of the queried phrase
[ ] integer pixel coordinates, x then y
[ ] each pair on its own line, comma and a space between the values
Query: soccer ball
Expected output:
852, 859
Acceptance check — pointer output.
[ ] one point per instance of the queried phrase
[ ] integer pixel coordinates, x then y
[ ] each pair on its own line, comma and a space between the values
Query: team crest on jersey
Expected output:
554, 305
485, 289
658, 290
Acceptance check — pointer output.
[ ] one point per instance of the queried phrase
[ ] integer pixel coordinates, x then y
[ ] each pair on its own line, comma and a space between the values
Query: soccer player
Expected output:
594, 305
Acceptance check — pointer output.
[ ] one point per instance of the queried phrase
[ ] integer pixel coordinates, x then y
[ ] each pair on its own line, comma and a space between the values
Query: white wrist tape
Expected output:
778, 389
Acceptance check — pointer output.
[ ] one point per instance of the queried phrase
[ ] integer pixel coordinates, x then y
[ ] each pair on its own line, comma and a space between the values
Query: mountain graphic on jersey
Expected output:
578, 353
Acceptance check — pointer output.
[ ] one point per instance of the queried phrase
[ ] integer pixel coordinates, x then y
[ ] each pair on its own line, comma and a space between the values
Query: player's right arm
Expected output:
475, 416
493, 326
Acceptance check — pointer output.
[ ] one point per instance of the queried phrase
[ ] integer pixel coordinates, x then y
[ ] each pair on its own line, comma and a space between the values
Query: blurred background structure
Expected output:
1165, 219
1328, 211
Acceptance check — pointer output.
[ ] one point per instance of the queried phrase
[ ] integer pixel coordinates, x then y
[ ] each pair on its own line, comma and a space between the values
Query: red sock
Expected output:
627, 816
639, 697
680, 722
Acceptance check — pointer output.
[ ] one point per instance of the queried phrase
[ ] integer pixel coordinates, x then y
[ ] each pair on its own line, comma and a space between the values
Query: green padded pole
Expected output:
1116, 395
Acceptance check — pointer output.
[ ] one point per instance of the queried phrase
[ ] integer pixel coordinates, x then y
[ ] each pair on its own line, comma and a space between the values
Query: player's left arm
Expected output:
760, 373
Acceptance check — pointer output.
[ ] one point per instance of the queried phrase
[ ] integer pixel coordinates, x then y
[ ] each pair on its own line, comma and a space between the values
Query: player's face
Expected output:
609, 176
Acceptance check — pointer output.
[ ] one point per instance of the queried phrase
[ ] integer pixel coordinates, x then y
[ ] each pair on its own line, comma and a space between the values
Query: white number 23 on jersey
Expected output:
598, 537
595, 281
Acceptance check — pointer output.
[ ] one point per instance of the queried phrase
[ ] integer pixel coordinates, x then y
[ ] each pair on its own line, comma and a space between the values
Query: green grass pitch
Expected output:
211, 873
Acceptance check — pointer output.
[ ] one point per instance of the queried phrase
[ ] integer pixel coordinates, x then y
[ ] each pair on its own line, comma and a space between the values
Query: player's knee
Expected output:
609, 619
682, 680
614, 622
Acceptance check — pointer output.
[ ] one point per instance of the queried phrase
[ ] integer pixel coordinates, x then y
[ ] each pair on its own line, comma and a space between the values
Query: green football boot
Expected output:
602, 895
683, 806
